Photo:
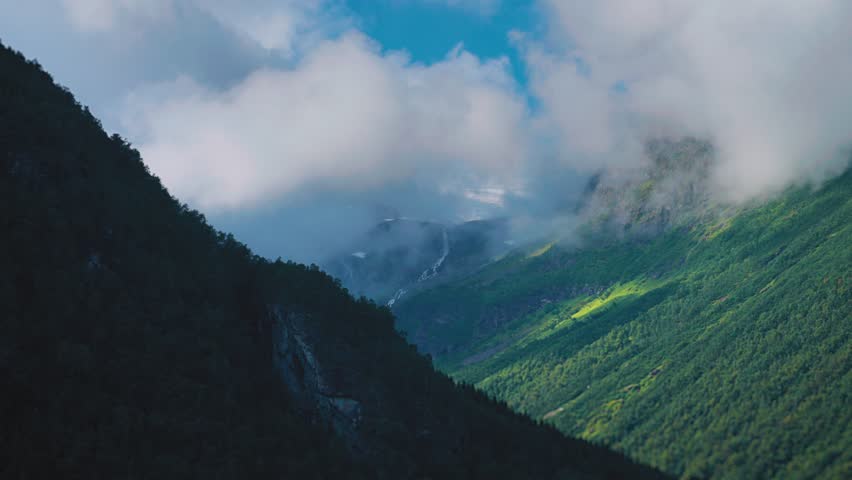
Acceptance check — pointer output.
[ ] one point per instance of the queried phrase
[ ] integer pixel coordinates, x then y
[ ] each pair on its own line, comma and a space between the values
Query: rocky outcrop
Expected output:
316, 392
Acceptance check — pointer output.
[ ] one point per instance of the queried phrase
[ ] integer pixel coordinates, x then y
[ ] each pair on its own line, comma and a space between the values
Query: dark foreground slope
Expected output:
138, 342
720, 347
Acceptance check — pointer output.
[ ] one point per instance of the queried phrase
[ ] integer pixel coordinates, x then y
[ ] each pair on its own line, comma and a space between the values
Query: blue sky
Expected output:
428, 30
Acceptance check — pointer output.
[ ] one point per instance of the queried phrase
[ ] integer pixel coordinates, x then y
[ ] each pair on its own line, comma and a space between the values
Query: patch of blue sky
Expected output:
429, 29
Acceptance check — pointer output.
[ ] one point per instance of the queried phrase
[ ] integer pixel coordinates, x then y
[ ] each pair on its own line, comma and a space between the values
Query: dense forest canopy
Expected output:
704, 341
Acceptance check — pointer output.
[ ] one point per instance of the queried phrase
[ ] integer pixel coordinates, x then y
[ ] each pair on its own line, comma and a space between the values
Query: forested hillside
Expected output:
138, 342
718, 347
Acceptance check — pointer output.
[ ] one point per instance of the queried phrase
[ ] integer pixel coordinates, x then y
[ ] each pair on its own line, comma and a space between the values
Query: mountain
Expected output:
705, 341
400, 256
138, 342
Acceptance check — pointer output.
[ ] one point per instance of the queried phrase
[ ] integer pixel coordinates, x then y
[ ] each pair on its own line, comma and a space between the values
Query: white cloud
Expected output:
105, 15
346, 115
285, 26
767, 80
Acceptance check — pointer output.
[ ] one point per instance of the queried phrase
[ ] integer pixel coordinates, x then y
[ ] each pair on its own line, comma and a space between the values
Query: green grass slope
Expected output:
721, 349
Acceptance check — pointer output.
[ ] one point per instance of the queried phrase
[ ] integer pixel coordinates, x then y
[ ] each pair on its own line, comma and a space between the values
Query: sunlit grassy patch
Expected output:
635, 287
541, 251
718, 229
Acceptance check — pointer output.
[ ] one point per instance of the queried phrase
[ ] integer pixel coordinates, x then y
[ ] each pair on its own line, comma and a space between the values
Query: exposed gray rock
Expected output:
94, 262
314, 391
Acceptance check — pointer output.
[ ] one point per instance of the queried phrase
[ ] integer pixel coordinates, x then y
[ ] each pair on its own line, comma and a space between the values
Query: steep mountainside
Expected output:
138, 342
400, 256
719, 346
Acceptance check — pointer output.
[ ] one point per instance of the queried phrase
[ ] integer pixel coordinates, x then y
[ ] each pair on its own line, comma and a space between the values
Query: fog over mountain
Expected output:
285, 122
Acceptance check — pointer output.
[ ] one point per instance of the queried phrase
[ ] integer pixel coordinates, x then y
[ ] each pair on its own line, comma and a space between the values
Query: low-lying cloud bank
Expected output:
766, 81
266, 109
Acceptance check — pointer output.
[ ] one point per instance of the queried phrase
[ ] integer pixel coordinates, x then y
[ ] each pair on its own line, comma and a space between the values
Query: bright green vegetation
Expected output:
718, 349
136, 341
608, 299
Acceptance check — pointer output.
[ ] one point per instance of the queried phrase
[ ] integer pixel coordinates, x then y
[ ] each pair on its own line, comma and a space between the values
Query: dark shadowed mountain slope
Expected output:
138, 342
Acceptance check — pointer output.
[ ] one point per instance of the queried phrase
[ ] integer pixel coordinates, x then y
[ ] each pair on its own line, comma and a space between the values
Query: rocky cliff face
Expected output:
317, 393
672, 188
